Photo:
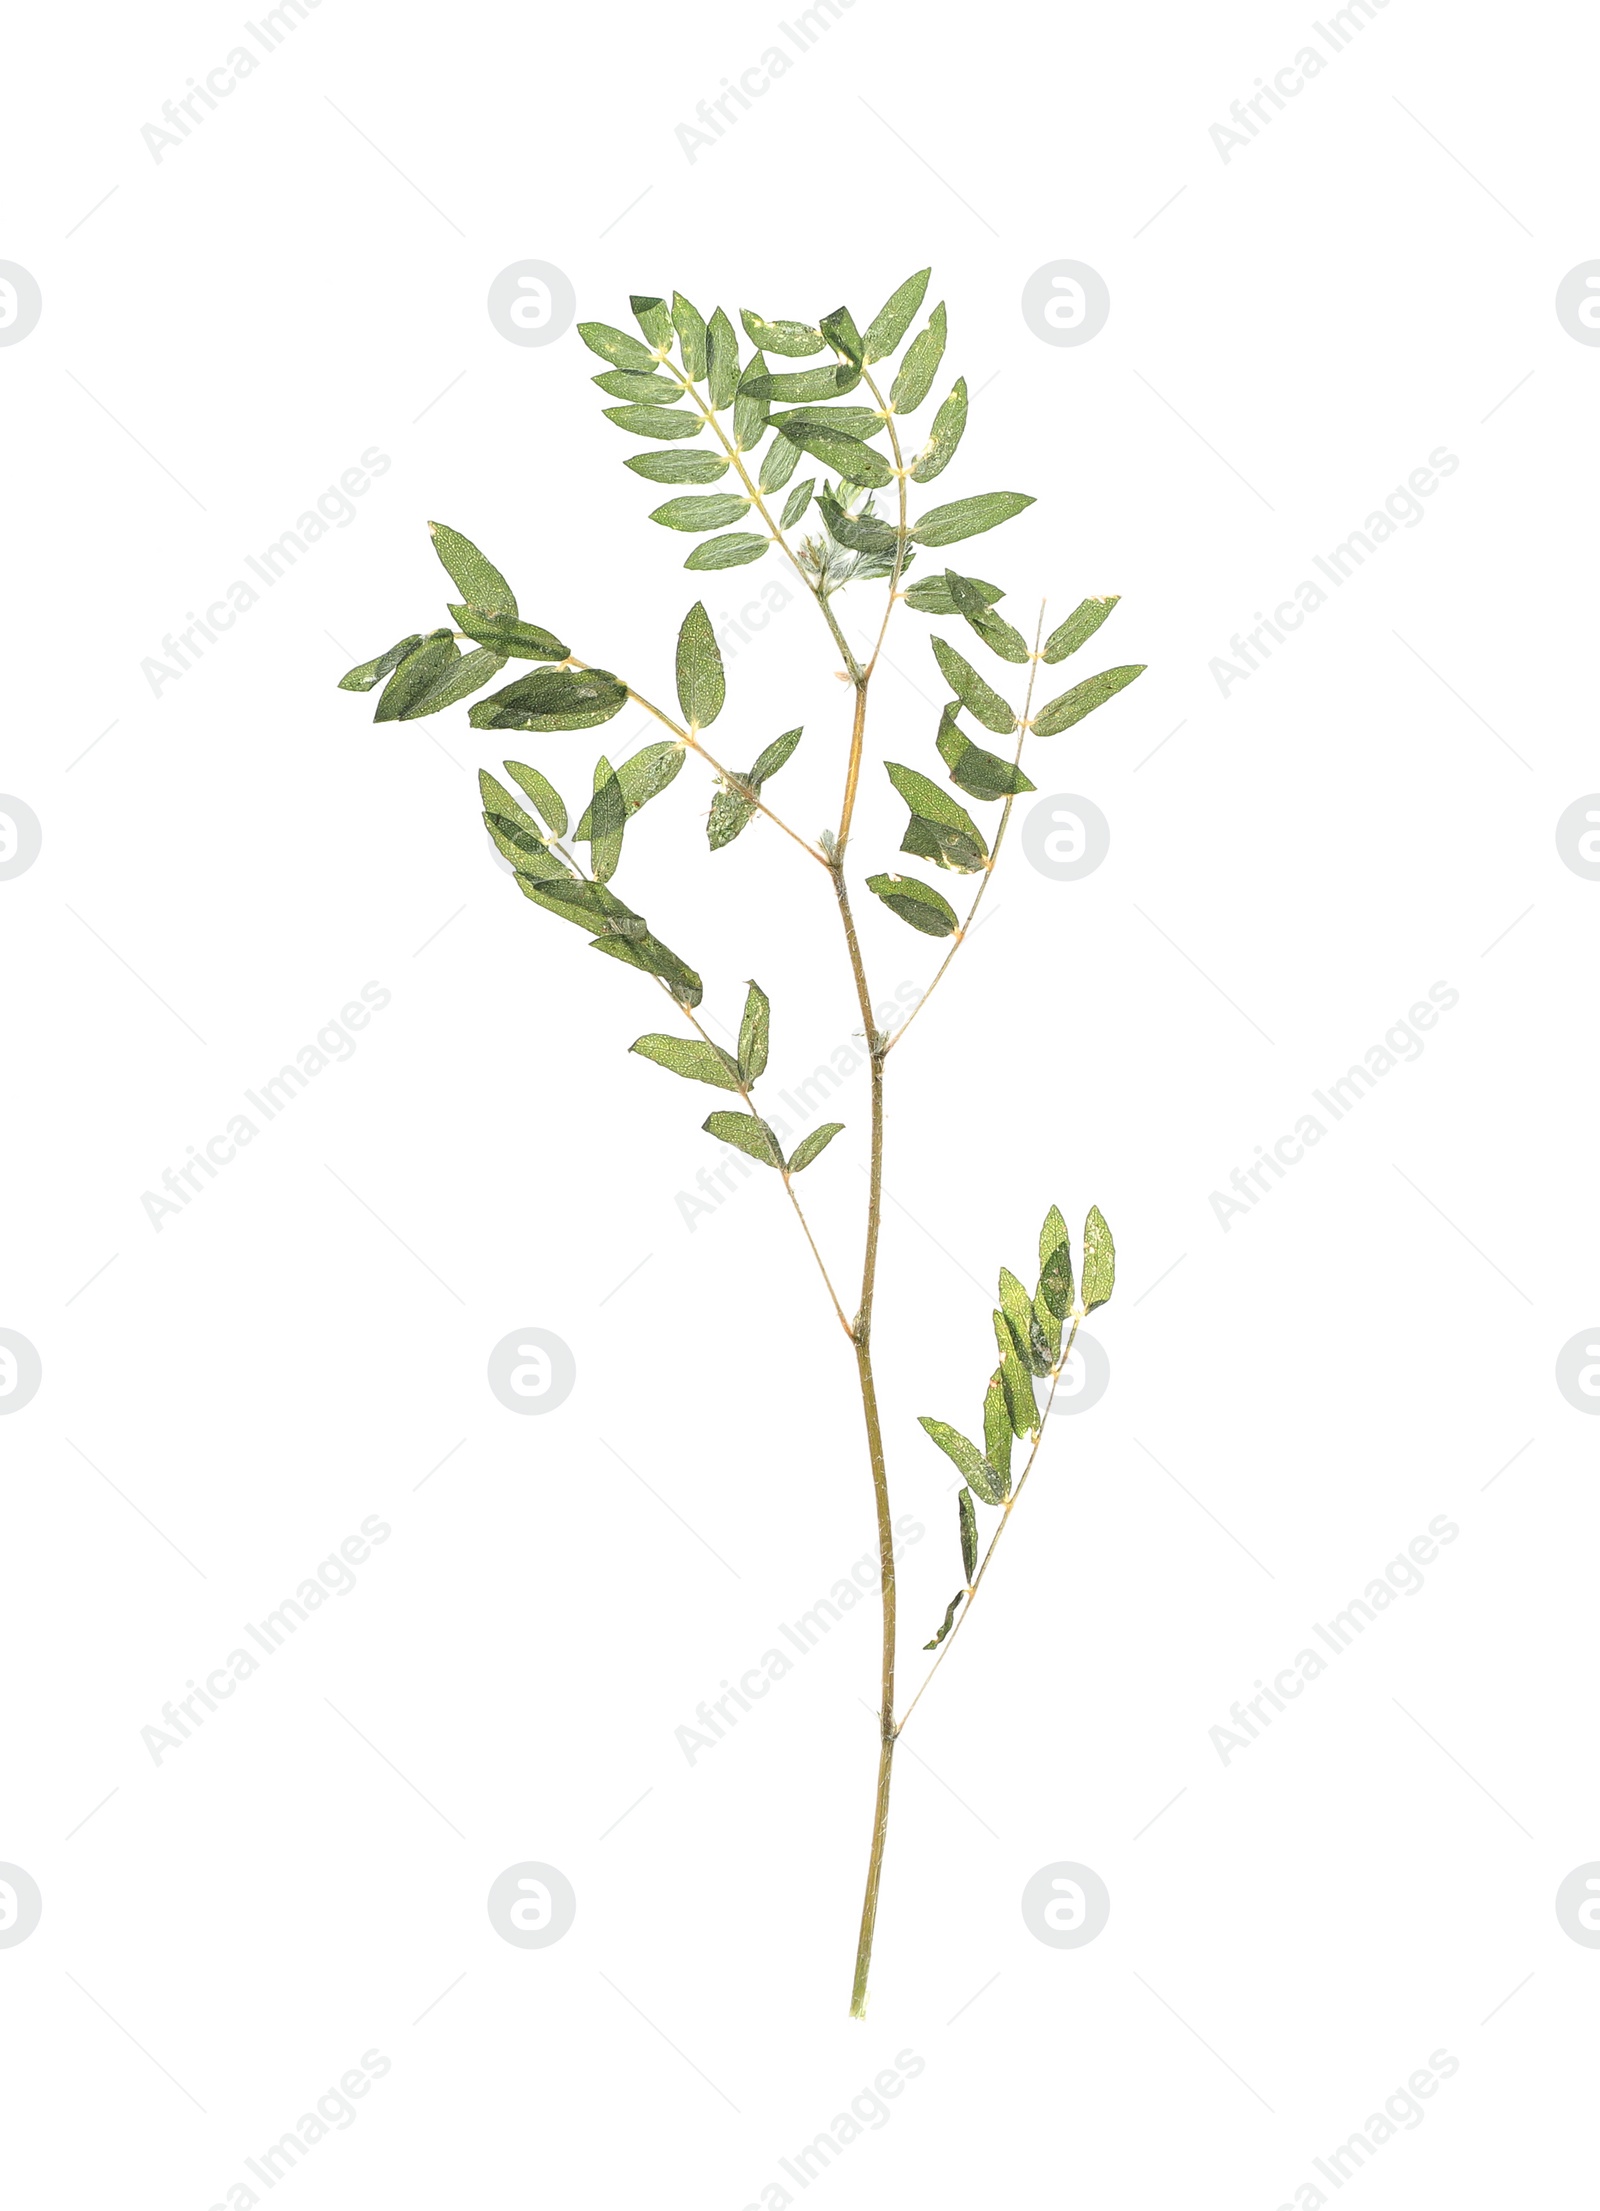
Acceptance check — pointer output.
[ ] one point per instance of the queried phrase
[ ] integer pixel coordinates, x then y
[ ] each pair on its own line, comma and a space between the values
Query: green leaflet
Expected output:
736, 550
931, 594
1079, 626
920, 366
678, 468
810, 1146
551, 699
1099, 1261
544, 795
616, 347
796, 503
755, 1031
654, 422
748, 1132
689, 323
650, 956
722, 362
949, 1617
416, 673
927, 799
749, 412
702, 686
498, 800
840, 330
916, 902
1048, 1326
777, 464
642, 776
939, 829
772, 757
733, 809
524, 848
508, 635
848, 457
995, 631
452, 684
969, 1530
711, 512
1055, 1265
855, 422
863, 533
1071, 706
690, 1057
653, 316
944, 437
979, 773
997, 1433
893, 319
968, 1460
794, 340
607, 817
372, 672
966, 517
990, 708
1033, 1345
796, 385
657, 390
1023, 1412
479, 582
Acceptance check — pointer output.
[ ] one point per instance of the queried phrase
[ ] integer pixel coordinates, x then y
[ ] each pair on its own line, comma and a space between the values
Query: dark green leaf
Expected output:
1023, 1412
996, 632
997, 1433
588, 905
966, 517
969, 1530
755, 1031
920, 366
479, 582
702, 686
749, 411
1055, 1265
416, 673
777, 464
931, 594
607, 816
689, 323
849, 457
855, 422
544, 795
654, 422
453, 684
990, 708
653, 316
551, 699
893, 319
968, 1460
734, 551
1099, 1260
651, 957
928, 800
722, 362
794, 340
508, 635
1071, 706
1017, 1307
1048, 1326
773, 757
949, 1618
797, 502
524, 848
944, 437
862, 533
678, 468
810, 1146
659, 391
840, 330
708, 513
730, 812
688, 1056
616, 347
946, 848
643, 776
1079, 626
372, 672
748, 1132
916, 902
980, 774
795, 385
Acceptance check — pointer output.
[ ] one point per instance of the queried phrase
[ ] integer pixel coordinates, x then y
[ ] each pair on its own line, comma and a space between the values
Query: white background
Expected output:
1292, 332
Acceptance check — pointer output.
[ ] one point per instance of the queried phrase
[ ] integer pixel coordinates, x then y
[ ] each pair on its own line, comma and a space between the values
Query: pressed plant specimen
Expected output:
710, 418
